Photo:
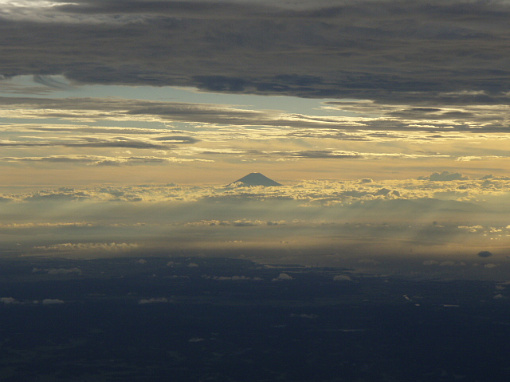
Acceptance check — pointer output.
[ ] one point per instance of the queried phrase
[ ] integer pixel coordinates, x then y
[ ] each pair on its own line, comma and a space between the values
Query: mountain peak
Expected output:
255, 179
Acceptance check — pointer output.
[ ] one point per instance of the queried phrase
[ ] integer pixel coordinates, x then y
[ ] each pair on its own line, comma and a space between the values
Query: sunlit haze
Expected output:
386, 124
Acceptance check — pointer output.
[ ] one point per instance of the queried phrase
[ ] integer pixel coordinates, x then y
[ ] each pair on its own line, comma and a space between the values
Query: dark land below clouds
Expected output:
218, 319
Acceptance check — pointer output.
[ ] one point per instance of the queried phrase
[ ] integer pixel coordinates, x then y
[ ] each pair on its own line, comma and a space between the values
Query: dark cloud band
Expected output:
383, 50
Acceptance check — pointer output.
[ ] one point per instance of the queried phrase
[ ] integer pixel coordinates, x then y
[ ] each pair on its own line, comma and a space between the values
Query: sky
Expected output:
122, 123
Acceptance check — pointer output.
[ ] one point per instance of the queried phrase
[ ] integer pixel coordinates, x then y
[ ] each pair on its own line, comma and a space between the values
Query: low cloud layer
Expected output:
365, 224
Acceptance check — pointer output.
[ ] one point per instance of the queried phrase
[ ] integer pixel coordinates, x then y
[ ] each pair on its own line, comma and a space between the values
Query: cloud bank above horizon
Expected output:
433, 226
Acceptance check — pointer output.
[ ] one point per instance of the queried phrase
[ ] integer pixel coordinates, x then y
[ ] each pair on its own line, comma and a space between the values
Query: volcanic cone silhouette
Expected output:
256, 179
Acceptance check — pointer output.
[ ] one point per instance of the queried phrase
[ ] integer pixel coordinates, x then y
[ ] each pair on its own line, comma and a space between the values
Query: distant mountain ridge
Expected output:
255, 179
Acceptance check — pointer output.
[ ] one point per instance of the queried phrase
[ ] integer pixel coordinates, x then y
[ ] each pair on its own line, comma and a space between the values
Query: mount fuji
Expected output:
255, 179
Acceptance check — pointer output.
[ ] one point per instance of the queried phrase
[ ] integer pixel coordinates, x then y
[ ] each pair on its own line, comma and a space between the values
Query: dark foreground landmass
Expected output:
193, 319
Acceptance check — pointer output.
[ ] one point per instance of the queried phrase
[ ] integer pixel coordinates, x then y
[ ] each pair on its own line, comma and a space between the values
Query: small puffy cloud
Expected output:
383, 191
490, 265
46, 301
472, 229
153, 300
9, 300
342, 278
283, 277
52, 301
196, 339
444, 176
484, 254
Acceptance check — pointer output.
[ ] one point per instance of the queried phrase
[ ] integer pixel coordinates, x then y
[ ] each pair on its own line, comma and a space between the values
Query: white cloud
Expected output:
52, 301
196, 339
153, 300
283, 277
353, 216
46, 301
9, 300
